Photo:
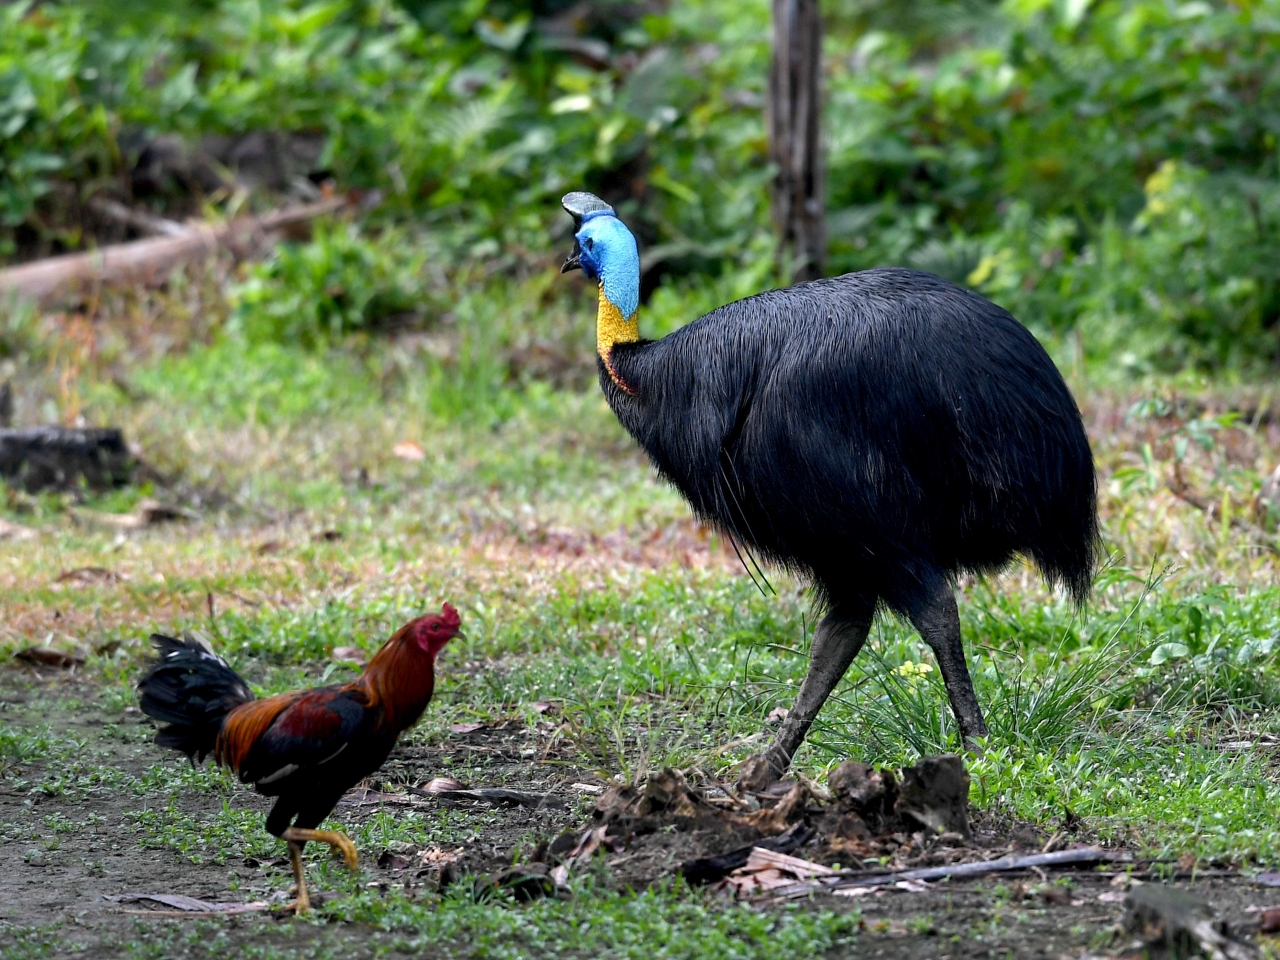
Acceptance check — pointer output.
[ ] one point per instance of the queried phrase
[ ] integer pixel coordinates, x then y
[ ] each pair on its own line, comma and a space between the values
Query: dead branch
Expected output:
1059, 859
47, 282
138, 219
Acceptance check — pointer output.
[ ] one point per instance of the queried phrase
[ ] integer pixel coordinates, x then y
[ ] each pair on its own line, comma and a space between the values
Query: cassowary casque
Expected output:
878, 433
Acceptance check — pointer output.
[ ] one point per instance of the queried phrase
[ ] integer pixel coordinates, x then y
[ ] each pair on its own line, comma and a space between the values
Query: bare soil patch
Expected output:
66, 850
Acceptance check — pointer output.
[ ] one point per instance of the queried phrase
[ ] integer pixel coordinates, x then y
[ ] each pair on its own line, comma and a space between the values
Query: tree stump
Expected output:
62, 458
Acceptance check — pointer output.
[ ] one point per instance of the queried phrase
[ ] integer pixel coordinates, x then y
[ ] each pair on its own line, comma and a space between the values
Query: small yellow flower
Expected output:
913, 671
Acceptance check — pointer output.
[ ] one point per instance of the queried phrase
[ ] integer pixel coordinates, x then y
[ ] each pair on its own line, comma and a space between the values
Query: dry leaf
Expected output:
762, 859
470, 727
544, 706
586, 788
47, 657
152, 511
433, 856
911, 886
148, 513
443, 785
777, 715
83, 576
588, 844
408, 450
768, 870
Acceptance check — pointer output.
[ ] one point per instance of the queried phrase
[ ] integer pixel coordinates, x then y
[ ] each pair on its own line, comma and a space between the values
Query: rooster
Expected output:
306, 748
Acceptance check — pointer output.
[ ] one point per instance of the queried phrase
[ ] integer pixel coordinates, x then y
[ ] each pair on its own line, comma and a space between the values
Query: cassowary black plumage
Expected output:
877, 433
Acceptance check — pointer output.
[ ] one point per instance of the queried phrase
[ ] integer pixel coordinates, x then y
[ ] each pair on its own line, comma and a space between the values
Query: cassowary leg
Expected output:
338, 840
938, 621
302, 904
836, 642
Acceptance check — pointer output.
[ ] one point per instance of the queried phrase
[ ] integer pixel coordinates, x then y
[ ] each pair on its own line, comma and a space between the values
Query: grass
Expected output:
582, 581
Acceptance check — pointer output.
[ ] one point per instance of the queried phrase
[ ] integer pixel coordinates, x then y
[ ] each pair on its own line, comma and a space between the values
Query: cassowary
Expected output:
877, 433
305, 748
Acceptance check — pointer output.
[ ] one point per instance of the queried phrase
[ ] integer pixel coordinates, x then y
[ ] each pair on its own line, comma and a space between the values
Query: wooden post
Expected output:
794, 113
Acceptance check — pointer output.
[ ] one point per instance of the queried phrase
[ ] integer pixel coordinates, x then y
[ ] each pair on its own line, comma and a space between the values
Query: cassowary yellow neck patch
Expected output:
612, 327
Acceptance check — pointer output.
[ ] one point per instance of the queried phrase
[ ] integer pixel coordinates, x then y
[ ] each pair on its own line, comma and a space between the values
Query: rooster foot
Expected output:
338, 840
302, 904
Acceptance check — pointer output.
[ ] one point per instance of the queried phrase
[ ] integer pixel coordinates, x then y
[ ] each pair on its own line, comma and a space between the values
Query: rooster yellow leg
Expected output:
334, 838
303, 903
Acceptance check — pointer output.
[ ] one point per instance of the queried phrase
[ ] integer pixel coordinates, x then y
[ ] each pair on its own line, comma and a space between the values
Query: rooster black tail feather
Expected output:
191, 690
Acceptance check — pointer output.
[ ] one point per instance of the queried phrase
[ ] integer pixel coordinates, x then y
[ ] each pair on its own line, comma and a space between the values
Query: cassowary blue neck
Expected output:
618, 267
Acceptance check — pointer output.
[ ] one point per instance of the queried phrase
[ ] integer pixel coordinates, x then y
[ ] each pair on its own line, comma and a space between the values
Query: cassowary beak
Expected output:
574, 262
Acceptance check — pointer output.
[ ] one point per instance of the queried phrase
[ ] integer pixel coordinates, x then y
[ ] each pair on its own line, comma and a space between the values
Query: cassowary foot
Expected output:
336, 839
836, 642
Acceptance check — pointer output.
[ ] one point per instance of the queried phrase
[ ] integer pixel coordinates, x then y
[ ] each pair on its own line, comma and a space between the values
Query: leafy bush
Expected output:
1106, 168
1192, 280
341, 281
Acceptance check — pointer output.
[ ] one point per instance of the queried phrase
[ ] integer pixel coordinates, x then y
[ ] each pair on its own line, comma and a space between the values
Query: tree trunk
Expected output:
795, 140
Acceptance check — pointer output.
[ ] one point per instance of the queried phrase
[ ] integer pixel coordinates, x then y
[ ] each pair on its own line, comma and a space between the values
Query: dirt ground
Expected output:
53, 880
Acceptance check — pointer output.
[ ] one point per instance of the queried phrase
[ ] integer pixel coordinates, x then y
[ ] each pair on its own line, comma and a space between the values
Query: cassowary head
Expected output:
605, 250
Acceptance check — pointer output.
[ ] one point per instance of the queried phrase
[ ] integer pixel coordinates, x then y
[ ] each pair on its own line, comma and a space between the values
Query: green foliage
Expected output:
341, 281
1105, 169
476, 124
263, 383
1101, 167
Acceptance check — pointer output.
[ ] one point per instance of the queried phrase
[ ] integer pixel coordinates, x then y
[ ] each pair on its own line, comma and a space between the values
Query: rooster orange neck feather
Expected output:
400, 679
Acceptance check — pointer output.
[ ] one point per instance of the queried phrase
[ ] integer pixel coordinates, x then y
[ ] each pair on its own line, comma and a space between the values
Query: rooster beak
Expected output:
574, 262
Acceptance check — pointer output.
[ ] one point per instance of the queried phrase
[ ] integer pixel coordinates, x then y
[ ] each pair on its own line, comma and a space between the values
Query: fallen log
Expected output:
139, 220
150, 261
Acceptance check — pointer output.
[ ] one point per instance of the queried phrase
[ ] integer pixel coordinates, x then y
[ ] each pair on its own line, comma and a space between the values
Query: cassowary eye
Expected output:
590, 243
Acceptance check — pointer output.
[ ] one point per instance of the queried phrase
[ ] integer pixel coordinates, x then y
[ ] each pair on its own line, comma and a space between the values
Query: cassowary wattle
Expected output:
878, 433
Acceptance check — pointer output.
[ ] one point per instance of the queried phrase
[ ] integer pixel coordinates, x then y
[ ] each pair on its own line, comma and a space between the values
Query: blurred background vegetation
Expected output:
1106, 169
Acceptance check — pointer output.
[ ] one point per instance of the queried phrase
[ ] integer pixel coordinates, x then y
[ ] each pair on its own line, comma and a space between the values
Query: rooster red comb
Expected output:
450, 616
